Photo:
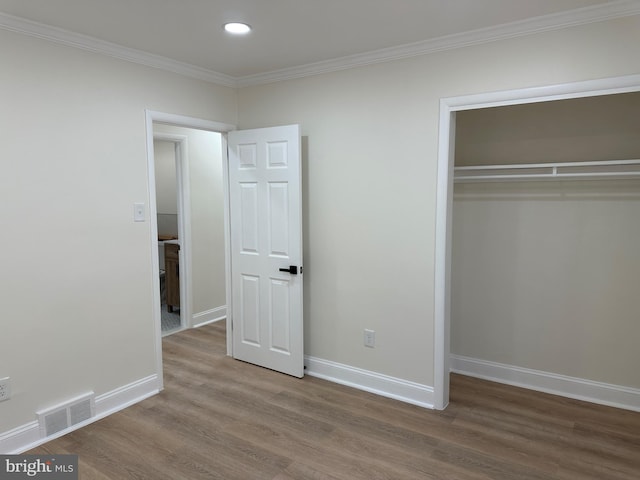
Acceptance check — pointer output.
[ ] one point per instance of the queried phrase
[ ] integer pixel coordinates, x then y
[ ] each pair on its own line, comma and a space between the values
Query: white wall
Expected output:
576, 130
77, 286
165, 173
164, 155
204, 151
370, 179
545, 277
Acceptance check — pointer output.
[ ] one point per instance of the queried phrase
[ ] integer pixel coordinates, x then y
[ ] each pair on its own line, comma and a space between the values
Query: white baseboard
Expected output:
28, 436
123, 397
17, 440
209, 316
571, 387
396, 388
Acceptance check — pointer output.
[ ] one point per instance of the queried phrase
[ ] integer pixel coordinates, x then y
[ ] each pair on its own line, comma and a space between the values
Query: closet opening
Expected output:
536, 259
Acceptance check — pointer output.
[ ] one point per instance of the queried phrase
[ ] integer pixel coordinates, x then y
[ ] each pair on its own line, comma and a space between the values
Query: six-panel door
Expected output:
266, 236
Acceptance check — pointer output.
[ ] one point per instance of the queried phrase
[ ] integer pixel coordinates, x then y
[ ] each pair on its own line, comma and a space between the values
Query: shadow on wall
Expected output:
167, 225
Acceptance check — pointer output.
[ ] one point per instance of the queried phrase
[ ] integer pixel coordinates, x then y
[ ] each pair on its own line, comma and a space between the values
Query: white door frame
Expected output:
444, 193
199, 124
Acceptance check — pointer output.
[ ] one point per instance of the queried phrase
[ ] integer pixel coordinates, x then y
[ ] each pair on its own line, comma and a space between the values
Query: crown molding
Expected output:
556, 21
95, 45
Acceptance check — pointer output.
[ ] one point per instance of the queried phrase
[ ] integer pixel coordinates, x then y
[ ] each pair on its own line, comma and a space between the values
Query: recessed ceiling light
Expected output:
237, 28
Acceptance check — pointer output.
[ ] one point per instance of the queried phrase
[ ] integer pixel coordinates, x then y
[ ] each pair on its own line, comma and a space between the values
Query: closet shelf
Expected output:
608, 169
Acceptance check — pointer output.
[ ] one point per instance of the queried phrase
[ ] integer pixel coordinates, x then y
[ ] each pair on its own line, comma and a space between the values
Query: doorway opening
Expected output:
198, 258
446, 158
168, 154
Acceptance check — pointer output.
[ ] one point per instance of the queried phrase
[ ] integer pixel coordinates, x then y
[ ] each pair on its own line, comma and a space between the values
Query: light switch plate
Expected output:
138, 212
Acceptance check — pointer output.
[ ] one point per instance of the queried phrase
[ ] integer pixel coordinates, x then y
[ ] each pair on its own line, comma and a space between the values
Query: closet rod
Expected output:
546, 171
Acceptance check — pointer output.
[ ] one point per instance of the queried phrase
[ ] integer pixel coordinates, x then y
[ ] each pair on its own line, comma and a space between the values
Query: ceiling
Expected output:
287, 34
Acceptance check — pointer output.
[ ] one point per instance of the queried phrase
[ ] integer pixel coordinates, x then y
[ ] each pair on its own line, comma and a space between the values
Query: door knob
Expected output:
293, 269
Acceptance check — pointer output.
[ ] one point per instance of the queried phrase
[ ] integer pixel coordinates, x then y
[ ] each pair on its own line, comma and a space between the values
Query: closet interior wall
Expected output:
545, 273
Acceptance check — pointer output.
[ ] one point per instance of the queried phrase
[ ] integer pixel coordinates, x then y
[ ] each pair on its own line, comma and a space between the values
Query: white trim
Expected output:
209, 316
20, 439
547, 93
156, 301
125, 396
554, 21
446, 142
391, 387
183, 187
189, 122
27, 436
595, 170
95, 45
227, 242
442, 262
572, 387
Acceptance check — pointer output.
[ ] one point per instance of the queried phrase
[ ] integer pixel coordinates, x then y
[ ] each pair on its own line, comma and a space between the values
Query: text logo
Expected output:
52, 467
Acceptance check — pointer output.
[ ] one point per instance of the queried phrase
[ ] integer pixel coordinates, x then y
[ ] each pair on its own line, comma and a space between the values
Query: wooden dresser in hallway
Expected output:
172, 275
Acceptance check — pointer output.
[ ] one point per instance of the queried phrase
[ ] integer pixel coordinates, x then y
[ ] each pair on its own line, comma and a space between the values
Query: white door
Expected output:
266, 247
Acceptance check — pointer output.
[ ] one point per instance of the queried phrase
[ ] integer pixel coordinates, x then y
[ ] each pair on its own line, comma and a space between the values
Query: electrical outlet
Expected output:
369, 338
5, 389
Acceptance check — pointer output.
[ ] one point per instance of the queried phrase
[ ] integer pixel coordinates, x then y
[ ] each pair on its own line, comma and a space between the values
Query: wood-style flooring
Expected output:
223, 419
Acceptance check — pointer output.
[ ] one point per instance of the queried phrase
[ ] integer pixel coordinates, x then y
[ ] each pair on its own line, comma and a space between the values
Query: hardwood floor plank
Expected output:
323, 455
364, 447
301, 471
218, 418
363, 425
489, 465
